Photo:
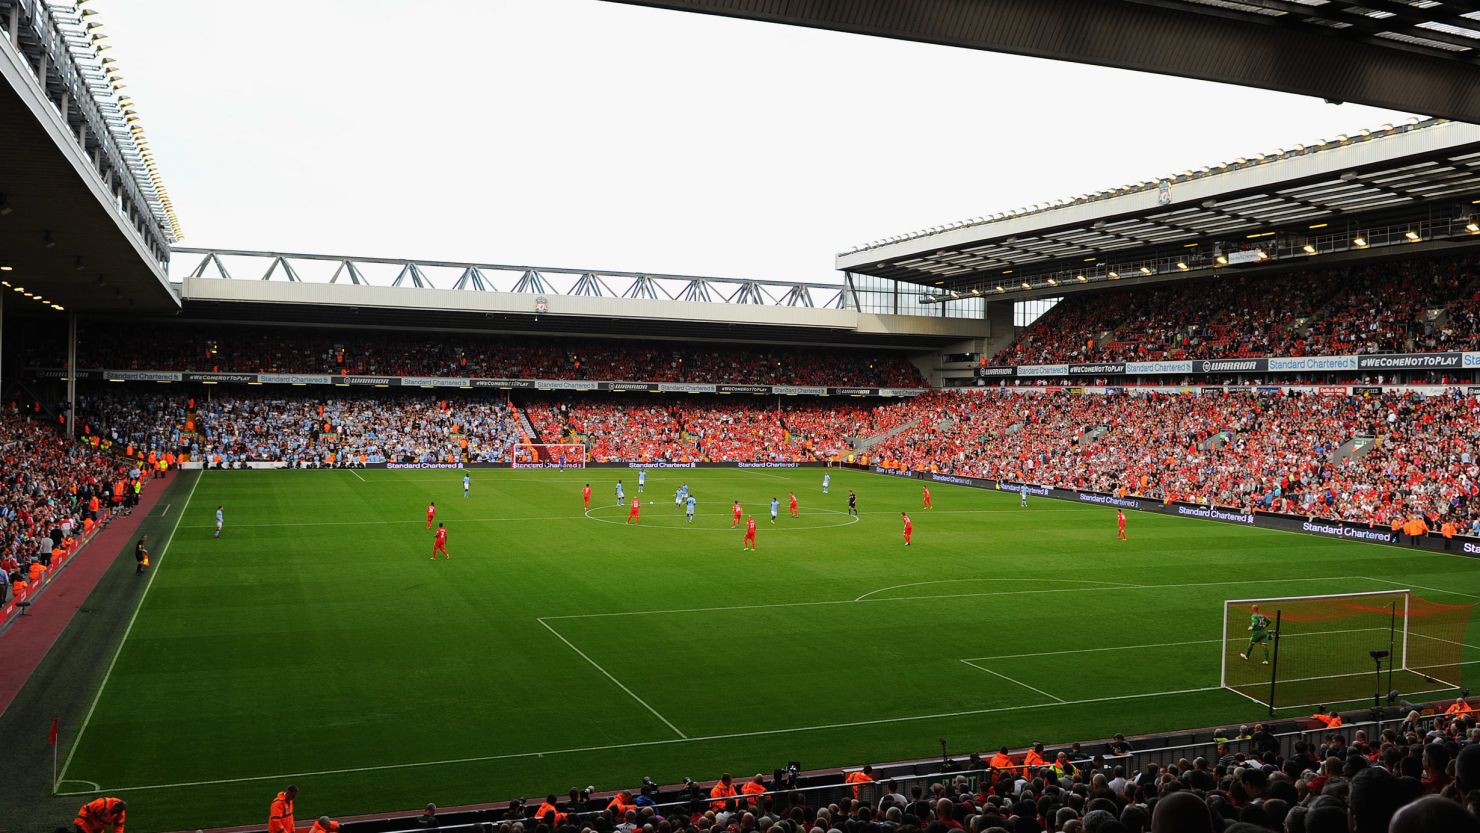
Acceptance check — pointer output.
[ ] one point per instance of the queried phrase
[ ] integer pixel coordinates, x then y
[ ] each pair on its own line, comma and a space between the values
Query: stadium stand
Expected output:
263, 349
1408, 305
1251, 451
56, 495
1301, 775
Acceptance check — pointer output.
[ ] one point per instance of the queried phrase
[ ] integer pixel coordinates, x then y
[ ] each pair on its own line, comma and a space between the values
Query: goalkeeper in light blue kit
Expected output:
690, 508
1258, 633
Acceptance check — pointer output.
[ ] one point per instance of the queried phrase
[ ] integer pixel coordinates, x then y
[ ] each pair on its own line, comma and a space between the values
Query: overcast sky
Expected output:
578, 133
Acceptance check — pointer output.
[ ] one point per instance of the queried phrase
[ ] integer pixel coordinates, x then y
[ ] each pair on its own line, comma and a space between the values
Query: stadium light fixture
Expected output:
1081, 279
1309, 249
1027, 285
1413, 236
1052, 282
1360, 242
1114, 276
19, 288
1146, 270
1320, 225
5, 266
1472, 227
1182, 265
1221, 260
1000, 290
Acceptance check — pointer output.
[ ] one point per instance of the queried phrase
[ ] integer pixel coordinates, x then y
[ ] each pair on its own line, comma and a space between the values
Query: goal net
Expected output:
549, 456
1342, 648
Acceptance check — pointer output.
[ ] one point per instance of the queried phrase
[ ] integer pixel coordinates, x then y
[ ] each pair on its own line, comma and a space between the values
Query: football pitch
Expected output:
316, 642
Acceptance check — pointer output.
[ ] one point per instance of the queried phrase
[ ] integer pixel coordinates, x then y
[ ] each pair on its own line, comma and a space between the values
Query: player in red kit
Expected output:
735, 515
749, 532
927, 497
909, 528
440, 543
632, 513
431, 513
586, 496
793, 505
1120, 523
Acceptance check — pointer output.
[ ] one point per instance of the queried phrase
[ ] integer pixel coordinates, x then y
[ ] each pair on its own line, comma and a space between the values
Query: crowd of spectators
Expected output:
1415, 776
320, 430
246, 349
55, 493
1410, 305
1251, 451
703, 429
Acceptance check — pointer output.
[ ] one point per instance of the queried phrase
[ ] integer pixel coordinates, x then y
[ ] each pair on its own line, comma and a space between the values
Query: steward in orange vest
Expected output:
722, 790
280, 814
1034, 758
101, 815
859, 777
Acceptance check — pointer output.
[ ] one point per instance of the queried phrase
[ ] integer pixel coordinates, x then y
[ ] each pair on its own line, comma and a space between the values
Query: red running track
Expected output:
30, 637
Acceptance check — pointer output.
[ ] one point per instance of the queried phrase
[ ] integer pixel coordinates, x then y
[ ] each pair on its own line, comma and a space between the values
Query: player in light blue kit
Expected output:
678, 498
641, 480
775, 507
220, 519
690, 509
826, 482
621, 496
467, 483
1023, 496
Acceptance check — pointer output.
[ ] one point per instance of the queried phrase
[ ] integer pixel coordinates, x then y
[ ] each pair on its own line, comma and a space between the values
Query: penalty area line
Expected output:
608, 675
662, 742
1013, 681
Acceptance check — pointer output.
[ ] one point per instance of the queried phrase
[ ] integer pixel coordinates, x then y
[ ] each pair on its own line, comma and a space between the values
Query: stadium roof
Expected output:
1410, 55
337, 290
1417, 183
85, 223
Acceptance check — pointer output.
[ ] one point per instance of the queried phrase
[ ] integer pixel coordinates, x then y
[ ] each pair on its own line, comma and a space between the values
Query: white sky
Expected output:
577, 133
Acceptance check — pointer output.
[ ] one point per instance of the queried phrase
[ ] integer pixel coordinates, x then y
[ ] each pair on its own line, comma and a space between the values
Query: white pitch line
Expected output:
937, 597
1421, 587
357, 474
1013, 681
608, 675
1235, 641
1442, 639
663, 742
1105, 584
148, 584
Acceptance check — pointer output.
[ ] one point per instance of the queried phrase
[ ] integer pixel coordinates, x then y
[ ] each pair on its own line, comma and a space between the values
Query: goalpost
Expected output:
1342, 648
548, 455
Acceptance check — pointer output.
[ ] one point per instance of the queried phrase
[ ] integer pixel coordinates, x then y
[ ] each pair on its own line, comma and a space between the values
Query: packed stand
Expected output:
56, 492
1246, 451
1398, 306
326, 430
1418, 775
242, 349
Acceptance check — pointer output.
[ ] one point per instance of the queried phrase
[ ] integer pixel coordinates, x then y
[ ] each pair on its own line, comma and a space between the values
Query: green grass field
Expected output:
316, 642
